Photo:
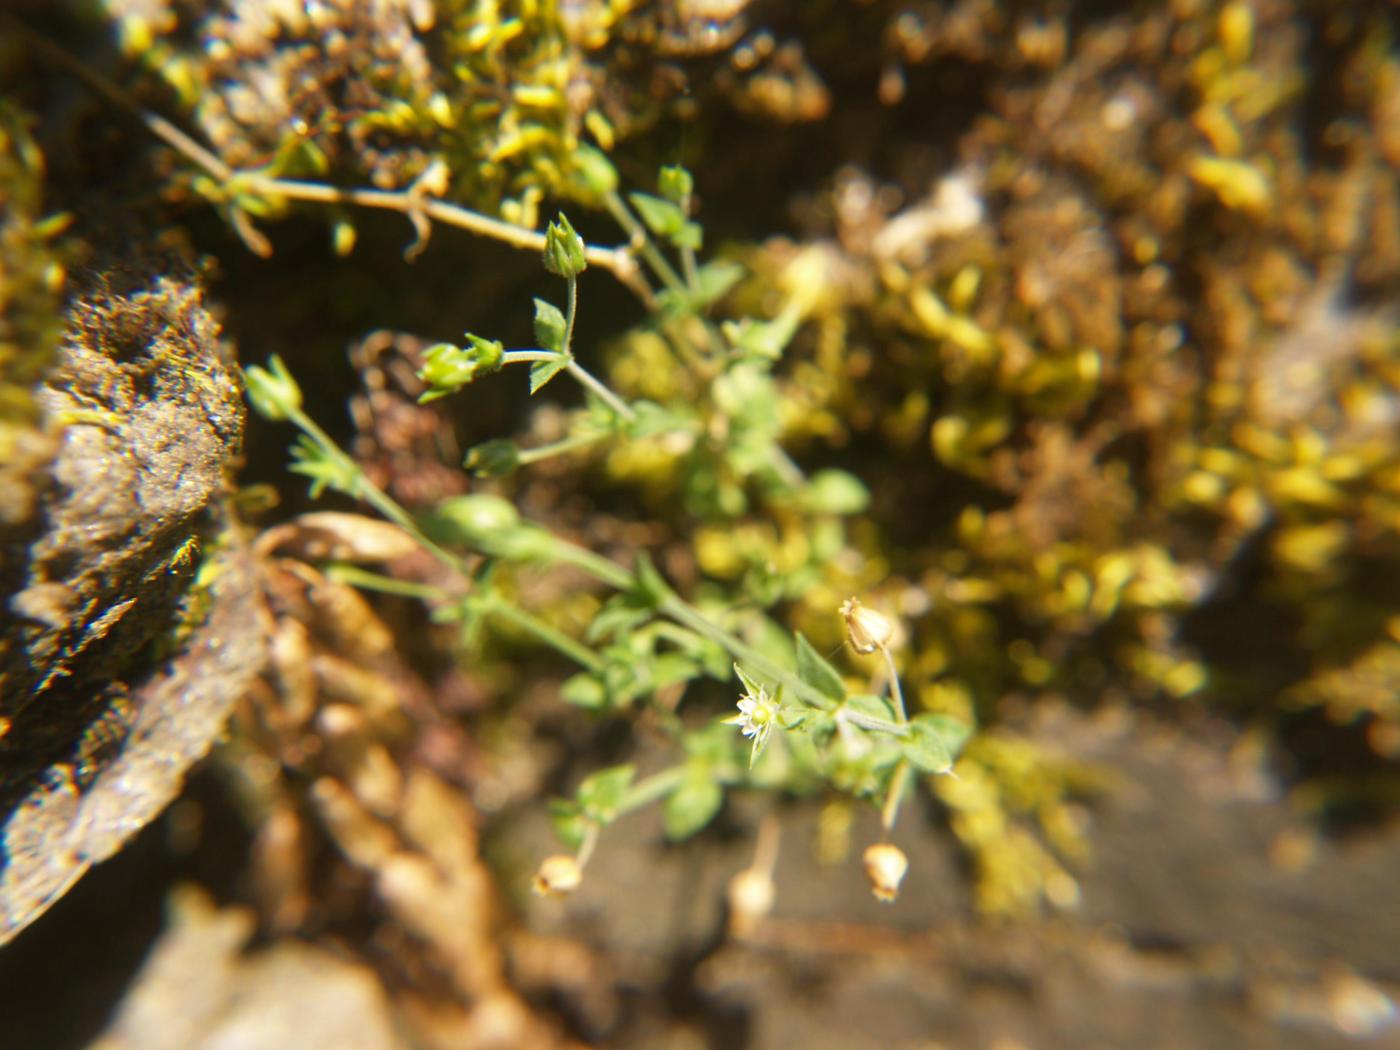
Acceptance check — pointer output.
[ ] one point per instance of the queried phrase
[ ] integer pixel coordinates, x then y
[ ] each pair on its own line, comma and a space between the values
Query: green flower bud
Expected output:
272, 391
498, 458
595, 173
676, 185
448, 368
563, 249
477, 521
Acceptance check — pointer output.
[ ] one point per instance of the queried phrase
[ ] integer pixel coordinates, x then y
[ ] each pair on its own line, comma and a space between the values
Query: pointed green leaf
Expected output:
661, 216
716, 279
549, 326
541, 372
692, 805
584, 690
953, 733
816, 672
600, 795
925, 749
871, 706
650, 584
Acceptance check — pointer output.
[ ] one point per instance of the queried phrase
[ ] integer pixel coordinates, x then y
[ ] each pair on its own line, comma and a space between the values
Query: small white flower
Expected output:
756, 718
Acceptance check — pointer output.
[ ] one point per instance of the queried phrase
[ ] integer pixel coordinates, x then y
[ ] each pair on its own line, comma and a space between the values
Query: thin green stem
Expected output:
526, 357
896, 693
634, 229
650, 789
570, 315
605, 570
585, 848
688, 616
373, 581
587, 379
371, 493
890, 812
559, 448
547, 633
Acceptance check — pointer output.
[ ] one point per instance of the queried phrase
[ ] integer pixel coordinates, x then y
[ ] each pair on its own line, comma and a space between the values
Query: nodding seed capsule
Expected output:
885, 866
868, 630
558, 876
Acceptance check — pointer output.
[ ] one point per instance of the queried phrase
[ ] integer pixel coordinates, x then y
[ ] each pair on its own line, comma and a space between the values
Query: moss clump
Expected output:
31, 282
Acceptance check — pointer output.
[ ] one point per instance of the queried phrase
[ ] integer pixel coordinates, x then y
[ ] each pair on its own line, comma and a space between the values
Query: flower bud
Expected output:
563, 249
885, 866
497, 458
750, 894
448, 368
272, 391
868, 630
558, 876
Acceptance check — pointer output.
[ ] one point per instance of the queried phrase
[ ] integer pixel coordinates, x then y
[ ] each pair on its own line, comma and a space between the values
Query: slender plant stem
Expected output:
890, 812
373, 581
581, 375
649, 789
688, 616
587, 379
559, 448
570, 315
605, 570
896, 693
372, 494
546, 633
525, 357
634, 229
585, 848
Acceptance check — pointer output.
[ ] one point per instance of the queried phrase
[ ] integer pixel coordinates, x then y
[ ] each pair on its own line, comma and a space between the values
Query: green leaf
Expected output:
541, 372
871, 706
584, 690
925, 749
619, 616
692, 805
651, 586
594, 171
570, 825
715, 280
661, 216
813, 669
953, 732
691, 235
601, 795
835, 492
549, 326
